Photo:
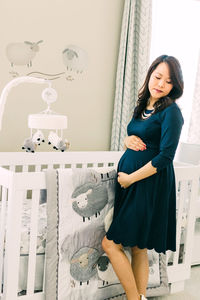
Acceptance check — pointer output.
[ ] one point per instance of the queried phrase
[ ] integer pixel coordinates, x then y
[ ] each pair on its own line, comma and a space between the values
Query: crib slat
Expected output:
33, 242
50, 166
25, 168
12, 247
181, 203
12, 168
95, 165
44, 274
2, 228
191, 212
37, 168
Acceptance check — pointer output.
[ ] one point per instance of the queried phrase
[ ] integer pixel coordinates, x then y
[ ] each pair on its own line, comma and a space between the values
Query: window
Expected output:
175, 31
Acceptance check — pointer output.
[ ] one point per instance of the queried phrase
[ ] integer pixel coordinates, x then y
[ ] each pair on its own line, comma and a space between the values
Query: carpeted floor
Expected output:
191, 291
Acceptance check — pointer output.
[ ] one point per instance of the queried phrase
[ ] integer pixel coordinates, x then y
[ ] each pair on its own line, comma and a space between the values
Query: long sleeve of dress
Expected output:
171, 125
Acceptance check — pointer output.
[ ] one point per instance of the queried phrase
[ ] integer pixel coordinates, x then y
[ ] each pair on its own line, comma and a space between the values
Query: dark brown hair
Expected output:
176, 92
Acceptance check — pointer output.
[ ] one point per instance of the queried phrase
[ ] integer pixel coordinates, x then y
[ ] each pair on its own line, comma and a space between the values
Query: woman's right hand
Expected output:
135, 143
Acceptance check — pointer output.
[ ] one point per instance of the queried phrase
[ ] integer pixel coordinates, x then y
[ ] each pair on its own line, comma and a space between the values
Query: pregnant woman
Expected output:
145, 202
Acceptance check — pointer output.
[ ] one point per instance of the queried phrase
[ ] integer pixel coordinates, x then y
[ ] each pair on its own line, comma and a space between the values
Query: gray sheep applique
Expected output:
75, 58
22, 53
89, 199
83, 264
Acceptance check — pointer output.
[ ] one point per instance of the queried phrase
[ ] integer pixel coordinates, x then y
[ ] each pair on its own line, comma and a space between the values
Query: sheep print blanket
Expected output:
79, 212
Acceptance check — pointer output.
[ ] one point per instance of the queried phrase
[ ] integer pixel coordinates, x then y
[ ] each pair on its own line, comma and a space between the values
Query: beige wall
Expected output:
94, 25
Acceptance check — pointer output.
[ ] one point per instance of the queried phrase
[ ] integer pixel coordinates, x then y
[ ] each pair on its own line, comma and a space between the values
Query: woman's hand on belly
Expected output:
135, 143
124, 180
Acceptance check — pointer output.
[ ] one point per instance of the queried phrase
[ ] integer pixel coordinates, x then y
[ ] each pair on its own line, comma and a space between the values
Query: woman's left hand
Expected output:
124, 180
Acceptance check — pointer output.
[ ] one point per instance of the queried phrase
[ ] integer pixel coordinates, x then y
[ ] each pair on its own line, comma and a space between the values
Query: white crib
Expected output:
21, 176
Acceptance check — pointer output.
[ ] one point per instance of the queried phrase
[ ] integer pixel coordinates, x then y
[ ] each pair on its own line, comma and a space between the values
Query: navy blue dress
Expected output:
145, 212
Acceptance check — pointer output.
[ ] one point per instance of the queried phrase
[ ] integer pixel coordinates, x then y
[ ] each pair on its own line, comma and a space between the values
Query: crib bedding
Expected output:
79, 211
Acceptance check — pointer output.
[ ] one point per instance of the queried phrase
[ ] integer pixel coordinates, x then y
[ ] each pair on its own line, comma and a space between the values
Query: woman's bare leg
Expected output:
140, 267
122, 268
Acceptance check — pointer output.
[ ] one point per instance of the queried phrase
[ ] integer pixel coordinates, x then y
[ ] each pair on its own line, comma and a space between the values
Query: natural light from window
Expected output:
176, 31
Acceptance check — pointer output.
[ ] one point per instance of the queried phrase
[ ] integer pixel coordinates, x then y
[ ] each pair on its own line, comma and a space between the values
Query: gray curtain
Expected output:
133, 62
194, 127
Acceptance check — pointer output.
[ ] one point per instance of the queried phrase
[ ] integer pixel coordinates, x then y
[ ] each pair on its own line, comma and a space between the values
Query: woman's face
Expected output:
160, 83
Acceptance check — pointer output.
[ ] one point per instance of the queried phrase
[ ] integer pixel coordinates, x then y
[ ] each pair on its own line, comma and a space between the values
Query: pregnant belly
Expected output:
133, 160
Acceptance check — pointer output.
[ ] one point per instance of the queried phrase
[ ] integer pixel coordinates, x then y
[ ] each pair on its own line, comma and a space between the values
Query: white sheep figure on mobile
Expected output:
57, 142
29, 145
21, 54
38, 137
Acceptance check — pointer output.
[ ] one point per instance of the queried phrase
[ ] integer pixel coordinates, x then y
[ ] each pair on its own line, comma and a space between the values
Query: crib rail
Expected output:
22, 174
23, 162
